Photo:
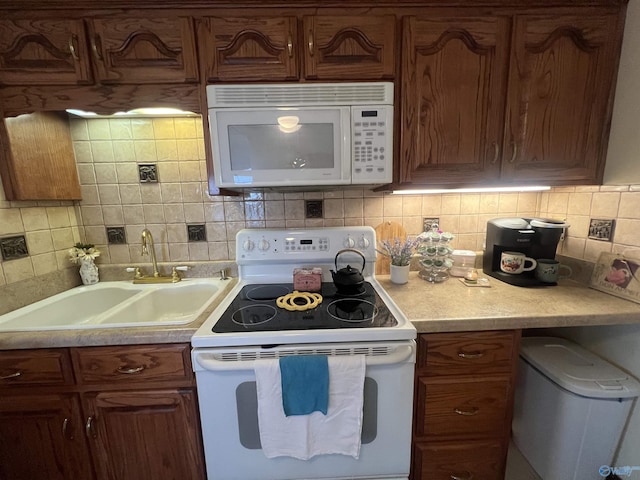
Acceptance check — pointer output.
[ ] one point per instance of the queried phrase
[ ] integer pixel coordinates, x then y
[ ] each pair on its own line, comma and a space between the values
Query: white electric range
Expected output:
248, 326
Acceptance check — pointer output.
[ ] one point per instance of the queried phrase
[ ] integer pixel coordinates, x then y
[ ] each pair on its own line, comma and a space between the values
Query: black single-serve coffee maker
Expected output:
535, 237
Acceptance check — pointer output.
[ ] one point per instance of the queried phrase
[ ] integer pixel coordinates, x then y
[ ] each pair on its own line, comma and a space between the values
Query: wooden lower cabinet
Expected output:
41, 436
459, 461
131, 414
463, 404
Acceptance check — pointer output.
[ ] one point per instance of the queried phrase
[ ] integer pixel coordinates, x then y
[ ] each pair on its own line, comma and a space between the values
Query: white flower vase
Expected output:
88, 271
399, 274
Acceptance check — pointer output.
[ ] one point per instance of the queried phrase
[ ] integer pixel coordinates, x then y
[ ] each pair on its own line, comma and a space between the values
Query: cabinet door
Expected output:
246, 48
145, 435
41, 436
144, 50
38, 159
43, 52
560, 90
453, 88
349, 47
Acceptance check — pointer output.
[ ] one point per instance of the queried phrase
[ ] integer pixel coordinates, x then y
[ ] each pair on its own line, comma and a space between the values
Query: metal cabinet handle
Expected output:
66, 433
496, 153
15, 374
470, 355
130, 370
73, 47
96, 46
311, 43
514, 146
461, 476
467, 413
88, 427
290, 45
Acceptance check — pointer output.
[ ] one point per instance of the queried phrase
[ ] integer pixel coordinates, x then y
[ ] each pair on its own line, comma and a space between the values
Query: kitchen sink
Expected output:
117, 304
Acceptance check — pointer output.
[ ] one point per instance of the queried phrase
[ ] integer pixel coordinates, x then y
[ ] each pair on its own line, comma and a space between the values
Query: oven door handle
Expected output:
208, 361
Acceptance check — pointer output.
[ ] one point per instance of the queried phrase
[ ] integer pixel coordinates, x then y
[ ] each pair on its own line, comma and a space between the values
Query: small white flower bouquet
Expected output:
399, 251
81, 251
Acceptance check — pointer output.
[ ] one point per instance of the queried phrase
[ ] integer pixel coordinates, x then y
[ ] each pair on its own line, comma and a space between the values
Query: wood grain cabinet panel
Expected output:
464, 461
44, 51
349, 47
513, 99
453, 83
131, 414
273, 48
145, 435
114, 365
249, 48
462, 408
35, 367
463, 404
144, 50
561, 82
37, 161
42, 436
466, 353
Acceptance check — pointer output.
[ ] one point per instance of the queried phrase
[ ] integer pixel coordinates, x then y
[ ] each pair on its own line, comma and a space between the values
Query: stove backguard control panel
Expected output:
294, 246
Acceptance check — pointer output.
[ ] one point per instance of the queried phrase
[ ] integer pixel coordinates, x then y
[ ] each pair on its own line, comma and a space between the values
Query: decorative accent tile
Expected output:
196, 233
116, 235
148, 172
13, 247
313, 208
601, 229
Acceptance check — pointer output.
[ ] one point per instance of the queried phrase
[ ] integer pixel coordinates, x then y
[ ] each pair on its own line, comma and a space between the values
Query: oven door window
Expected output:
247, 407
272, 147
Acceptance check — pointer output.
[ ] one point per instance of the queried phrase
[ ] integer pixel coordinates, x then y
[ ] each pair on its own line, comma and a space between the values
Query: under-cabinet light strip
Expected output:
537, 188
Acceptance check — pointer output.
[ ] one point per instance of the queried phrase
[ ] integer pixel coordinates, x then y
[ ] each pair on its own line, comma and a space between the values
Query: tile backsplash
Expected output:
110, 151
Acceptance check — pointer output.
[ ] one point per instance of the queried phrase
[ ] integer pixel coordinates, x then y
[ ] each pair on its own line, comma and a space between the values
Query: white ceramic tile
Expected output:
78, 128
44, 263
91, 215
17, 270
354, 208
167, 150
62, 238
113, 215
177, 233
218, 251
127, 173
105, 173
153, 213
151, 193
627, 232
254, 211
198, 251
99, 129
489, 202
34, 218
130, 194
293, 210
145, 151
629, 205
189, 171
39, 242
133, 215
192, 192
188, 149
185, 127
194, 212
179, 252
142, 129
174, 213
392, 206
214, 212
109, 194
58, 217
102, 151
171, 192
605, 205
334, 208
86, 174
10, 221
120, 128
119, 254
96, 235
217, 232
579, 203
124, 151
163, 128
373, 207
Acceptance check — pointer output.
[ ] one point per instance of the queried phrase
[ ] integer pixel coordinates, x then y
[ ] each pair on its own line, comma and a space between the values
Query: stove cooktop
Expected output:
254, 309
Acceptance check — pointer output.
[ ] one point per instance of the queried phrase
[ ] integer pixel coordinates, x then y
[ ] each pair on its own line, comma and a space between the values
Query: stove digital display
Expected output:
306, 242
255, 309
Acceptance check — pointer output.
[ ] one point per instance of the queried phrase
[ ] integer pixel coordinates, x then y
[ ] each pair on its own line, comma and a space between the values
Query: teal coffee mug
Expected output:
548, 270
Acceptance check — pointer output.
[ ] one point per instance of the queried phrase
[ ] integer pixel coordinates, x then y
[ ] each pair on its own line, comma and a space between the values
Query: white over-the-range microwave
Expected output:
301, 135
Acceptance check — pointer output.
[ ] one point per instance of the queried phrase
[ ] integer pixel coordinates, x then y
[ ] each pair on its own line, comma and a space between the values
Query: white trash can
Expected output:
570, 409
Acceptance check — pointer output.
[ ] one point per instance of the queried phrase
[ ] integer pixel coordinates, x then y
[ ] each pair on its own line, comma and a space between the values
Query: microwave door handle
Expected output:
208, 362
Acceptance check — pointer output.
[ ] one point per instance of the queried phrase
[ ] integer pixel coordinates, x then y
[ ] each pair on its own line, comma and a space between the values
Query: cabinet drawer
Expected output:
467, 353
465, 461
132, 364
476, 408
35, 367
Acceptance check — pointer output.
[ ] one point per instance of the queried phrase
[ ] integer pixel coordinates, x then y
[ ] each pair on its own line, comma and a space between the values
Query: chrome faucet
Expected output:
149, 248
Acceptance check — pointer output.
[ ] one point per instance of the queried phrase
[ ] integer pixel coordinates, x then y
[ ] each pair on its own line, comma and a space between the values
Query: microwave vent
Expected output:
295, 94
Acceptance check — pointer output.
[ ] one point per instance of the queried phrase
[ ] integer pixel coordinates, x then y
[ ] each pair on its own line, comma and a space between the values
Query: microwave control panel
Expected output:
372, 144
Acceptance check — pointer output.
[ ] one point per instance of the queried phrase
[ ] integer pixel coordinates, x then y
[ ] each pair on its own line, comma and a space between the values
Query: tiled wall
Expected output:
108, 152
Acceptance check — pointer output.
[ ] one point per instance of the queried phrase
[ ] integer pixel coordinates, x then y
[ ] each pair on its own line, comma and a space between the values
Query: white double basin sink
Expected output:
117, 304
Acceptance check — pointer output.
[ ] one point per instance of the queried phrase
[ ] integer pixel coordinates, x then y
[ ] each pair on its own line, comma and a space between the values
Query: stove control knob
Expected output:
248, 245
349, 242
363, 242
263, 245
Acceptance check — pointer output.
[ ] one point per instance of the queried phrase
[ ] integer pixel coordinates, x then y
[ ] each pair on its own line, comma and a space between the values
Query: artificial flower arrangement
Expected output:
399, 251
81, 251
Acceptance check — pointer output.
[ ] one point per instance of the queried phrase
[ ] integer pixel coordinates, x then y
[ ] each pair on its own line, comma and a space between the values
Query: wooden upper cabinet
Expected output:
43, 52
249, 48
453, 94
273, 48
144, 50
560, 89
349, 47
37, 161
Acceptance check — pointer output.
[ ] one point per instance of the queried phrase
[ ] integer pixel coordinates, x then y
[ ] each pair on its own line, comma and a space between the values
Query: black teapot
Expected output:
348, 280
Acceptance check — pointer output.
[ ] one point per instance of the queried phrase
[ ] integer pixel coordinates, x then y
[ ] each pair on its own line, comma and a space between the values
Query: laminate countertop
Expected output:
451, 306
445, 307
